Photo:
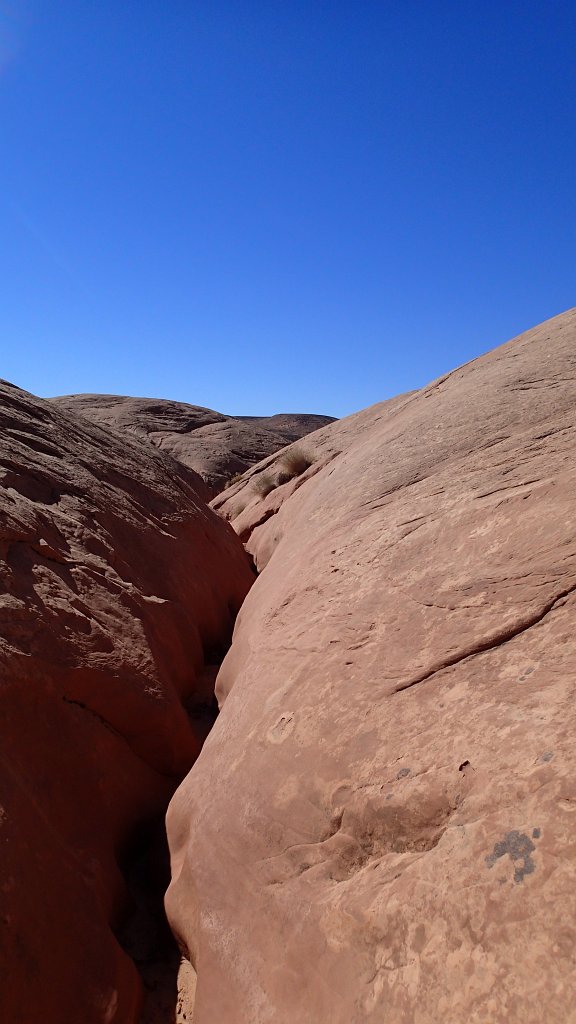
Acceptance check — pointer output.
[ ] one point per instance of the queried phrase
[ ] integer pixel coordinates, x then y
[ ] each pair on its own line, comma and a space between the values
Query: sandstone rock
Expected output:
380, 826
216, 446
118, 592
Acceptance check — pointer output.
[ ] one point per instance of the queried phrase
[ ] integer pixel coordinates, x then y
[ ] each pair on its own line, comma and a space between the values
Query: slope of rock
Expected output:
381, 823
215, 446
119, 588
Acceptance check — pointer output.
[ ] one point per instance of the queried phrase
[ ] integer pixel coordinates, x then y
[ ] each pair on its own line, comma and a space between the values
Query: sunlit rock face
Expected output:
380, 826
119, 589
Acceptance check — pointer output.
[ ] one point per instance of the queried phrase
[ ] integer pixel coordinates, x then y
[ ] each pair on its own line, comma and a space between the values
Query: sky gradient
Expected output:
290, 205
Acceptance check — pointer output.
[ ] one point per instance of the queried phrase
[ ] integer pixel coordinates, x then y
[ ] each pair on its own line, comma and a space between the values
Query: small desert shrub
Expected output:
264, 483
283, 477
295, 462
234, 479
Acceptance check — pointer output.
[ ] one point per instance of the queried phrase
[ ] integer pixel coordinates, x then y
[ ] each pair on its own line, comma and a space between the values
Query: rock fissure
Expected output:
496, 639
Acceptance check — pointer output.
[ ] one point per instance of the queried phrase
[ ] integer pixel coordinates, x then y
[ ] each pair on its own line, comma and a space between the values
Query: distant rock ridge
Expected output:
215, 445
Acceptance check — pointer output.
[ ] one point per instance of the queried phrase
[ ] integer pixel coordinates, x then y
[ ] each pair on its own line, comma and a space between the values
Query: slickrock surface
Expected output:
215, 446
381, 825
118, 592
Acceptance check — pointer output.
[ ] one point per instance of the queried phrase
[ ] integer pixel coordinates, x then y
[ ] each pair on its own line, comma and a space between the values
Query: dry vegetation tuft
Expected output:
295, 462
264, 483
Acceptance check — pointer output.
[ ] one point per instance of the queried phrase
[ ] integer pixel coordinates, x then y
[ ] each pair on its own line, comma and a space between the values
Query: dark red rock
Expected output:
118, 592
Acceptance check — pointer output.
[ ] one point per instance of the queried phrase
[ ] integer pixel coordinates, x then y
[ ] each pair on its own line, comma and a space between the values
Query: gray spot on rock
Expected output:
519, 848
547, 755
403, 773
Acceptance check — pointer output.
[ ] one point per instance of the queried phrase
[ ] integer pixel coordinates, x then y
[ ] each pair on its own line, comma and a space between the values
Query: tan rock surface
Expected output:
381, 825
118, 592
215, 446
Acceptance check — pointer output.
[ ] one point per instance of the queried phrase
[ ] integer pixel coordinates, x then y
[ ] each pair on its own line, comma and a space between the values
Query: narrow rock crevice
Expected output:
143, 931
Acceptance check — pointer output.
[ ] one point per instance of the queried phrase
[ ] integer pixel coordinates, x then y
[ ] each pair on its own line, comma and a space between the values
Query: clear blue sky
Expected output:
266, 205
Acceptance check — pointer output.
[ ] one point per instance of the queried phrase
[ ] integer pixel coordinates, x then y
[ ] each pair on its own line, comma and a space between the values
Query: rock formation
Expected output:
215, 446
380, 826
119, 592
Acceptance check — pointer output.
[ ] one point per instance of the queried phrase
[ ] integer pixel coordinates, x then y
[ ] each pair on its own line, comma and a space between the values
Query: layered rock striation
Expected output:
119, 589
381, 823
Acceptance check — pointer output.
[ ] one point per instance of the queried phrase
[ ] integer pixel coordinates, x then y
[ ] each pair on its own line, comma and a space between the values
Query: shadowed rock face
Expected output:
119, 588
381, 823
214, 445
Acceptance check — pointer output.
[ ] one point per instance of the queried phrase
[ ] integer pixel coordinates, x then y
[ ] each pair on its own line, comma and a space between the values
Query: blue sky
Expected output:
279, 205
